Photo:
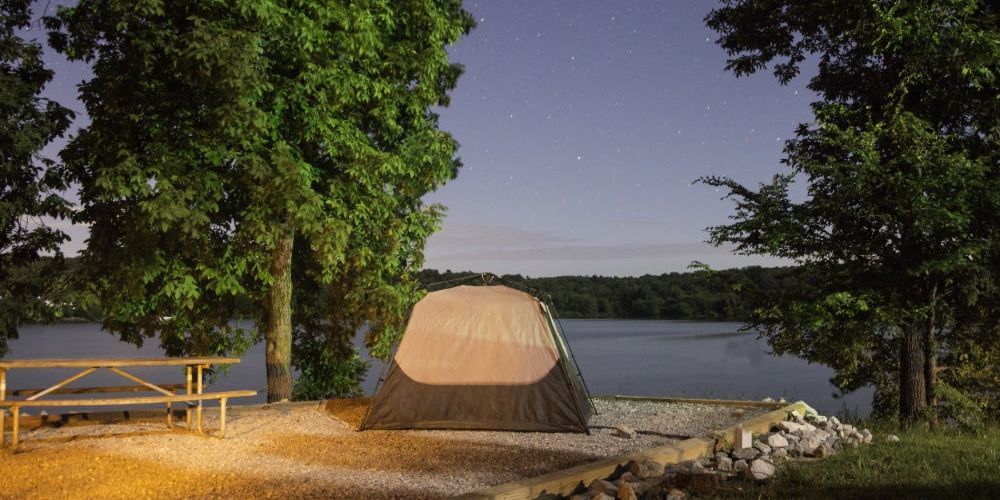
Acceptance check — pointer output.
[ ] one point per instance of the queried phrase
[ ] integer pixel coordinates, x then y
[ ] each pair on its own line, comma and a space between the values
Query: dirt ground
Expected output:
308, 452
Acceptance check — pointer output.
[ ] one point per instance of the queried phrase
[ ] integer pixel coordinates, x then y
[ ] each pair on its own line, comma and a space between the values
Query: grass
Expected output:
942, 464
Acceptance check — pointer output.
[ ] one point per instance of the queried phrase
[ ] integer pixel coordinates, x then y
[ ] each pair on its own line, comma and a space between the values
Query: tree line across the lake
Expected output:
267, 159
698, 295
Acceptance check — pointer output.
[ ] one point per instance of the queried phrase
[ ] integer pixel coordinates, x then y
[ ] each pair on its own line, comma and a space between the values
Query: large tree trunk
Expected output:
930, 353
912, 383
278, 337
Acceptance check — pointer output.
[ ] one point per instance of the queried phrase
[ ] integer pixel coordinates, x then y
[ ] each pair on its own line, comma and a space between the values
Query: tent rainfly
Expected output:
481, 357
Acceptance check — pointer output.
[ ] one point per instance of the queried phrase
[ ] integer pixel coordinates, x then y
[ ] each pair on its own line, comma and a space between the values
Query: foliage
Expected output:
327, 370
727, 295
224, 132
898, 232
29, 187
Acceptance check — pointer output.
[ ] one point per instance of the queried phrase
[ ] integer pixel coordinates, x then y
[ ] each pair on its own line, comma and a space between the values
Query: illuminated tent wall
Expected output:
481, 357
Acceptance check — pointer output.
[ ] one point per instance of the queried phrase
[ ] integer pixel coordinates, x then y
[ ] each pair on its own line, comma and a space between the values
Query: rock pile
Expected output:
800, 438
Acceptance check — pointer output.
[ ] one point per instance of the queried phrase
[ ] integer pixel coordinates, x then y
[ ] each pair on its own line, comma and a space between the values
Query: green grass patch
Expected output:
940, 464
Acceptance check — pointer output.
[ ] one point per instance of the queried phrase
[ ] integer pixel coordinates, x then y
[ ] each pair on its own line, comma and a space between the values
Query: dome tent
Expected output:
481, 357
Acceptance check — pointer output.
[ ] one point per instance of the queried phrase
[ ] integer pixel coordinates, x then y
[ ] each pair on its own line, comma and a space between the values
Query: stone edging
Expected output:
563, 482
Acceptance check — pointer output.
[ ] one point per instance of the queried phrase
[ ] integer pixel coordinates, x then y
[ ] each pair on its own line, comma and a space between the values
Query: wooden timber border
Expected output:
565, 481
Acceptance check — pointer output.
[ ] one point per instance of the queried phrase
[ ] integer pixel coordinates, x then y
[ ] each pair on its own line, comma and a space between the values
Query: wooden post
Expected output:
170, 411
200, 402
187, 414
742, 438
3, 411
222, 417
17, 424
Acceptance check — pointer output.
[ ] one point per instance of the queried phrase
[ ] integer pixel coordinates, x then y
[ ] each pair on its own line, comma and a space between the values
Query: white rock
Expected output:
892, 438
777, 441
724, 464
833, 442
768, 400
835, 422
789, 426
740, 465
760, 469
866, 436
794, 450
762, 447
780, 454
812, 440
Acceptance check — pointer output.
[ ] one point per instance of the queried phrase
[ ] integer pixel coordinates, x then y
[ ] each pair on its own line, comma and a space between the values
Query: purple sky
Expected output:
582, 125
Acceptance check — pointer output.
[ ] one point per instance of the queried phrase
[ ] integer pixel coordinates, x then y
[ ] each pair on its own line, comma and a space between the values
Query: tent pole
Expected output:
569, 352
564, 353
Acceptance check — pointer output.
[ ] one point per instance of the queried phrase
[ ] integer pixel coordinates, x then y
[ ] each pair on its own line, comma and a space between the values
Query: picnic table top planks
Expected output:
114, 362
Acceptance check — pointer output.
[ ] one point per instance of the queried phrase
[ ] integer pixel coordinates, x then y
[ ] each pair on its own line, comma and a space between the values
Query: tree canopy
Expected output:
234, 140
29, 191
898, 231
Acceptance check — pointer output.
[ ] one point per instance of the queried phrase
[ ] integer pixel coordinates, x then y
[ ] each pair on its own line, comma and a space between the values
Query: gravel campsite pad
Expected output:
302, 451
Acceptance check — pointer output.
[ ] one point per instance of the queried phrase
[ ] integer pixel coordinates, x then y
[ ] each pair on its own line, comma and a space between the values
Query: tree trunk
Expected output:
930, 353
278, 336
912, 384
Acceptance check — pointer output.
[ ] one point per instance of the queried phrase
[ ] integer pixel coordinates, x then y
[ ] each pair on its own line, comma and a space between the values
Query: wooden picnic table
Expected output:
194, 385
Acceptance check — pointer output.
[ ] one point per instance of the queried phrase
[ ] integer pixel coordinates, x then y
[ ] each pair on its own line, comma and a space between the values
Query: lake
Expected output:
635, 357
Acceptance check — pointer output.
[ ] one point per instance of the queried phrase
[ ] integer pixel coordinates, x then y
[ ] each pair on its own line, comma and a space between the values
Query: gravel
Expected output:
307, 452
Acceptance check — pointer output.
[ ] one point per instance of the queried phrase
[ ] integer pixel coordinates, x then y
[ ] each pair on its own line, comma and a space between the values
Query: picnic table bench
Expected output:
194, 395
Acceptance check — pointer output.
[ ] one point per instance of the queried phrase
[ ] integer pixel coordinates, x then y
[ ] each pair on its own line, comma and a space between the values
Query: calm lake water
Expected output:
649, 358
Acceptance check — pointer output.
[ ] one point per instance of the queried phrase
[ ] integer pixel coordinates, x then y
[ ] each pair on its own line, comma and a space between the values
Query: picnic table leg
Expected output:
187, 415
222, 417
170, 412
17, 425
201, 388
3, 411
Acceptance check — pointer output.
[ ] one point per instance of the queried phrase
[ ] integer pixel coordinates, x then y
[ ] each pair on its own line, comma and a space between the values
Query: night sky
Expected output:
583, 125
